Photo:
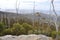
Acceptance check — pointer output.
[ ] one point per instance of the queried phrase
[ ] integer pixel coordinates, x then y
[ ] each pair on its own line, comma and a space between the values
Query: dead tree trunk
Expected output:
55, 19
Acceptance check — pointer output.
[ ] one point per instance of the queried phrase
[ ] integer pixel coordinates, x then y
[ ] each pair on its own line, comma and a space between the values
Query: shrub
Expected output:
7, 31
27, 27
1, 27
17, 29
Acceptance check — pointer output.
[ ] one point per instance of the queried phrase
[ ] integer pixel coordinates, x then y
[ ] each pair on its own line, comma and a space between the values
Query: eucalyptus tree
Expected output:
33, 15
17, 9
55, 20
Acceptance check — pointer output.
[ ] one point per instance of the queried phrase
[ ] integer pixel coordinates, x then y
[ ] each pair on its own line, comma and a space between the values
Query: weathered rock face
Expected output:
25, 37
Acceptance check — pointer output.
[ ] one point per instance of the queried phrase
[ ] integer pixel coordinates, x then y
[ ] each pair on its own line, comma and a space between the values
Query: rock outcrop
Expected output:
26, 37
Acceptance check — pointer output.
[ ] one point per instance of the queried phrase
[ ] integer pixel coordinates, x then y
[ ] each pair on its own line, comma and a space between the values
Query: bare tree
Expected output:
17, 9
33, 14
52, 2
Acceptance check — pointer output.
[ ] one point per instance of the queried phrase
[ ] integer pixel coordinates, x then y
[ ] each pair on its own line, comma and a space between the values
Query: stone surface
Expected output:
26, 37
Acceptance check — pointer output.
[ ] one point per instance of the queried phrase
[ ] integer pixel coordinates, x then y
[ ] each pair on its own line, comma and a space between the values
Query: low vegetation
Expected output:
26, 26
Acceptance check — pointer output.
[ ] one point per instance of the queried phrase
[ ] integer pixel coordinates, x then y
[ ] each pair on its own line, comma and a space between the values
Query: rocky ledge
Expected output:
25, 37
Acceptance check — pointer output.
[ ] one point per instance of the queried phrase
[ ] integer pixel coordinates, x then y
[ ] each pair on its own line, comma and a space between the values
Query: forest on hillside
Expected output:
32, 21
23, 25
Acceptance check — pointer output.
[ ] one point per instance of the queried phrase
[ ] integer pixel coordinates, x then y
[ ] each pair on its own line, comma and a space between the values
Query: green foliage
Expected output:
7, 31
1, 26
17, 29
27, 27
59, 32
54, 33
53, 27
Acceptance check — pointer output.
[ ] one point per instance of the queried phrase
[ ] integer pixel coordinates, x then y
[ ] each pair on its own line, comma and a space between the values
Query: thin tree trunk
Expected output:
55, 19
33, 15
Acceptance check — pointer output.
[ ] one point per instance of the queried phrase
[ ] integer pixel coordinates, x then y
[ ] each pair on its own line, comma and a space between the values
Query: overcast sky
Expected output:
28, 4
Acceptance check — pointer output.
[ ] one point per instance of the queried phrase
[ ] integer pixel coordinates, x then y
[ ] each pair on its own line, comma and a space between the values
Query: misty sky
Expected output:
28, 4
